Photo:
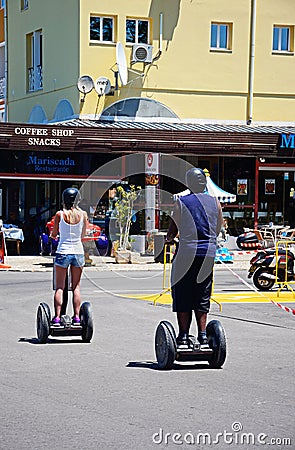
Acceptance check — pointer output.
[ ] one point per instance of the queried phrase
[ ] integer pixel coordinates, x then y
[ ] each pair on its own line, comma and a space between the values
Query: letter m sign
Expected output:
287, 141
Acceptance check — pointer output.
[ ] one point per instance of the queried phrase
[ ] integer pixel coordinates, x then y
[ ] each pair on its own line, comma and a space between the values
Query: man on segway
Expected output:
197, 220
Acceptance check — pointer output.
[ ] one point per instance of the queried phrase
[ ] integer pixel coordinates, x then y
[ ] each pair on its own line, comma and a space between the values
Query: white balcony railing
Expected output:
25, 4
35, 78
2, 87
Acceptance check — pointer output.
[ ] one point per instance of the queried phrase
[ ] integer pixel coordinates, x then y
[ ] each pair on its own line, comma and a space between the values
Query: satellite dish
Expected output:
121, 63
85, 84
102, 86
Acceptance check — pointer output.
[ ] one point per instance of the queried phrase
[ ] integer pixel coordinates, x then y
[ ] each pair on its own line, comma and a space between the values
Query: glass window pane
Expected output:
275, 42
223, 36
213, 36
130, 30
143, 31
95, 28
107, 29
285, 39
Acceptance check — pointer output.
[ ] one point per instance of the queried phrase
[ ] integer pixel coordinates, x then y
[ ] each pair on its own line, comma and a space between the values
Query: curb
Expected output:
22, 264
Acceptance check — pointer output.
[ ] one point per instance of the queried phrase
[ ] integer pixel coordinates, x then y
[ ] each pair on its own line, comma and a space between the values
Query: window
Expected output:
34, 61
221, 36
101, 29
283, 38
24, 4
137, 31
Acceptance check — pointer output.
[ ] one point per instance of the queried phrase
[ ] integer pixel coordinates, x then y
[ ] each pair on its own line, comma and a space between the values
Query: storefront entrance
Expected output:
275, 193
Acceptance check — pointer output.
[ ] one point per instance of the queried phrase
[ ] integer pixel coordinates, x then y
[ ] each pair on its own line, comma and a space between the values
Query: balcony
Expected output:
2, 87
24, 4
35, 78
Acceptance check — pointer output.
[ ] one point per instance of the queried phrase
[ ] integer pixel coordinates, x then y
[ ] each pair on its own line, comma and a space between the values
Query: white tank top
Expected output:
70, 237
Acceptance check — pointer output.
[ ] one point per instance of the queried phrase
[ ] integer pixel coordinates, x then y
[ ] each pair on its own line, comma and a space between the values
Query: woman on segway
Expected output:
70, 224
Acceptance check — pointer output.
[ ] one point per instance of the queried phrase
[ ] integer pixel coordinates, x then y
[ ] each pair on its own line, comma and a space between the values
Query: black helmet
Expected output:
71, 197
196, 180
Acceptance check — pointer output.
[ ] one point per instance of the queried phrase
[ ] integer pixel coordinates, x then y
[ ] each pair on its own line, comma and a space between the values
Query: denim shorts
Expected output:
65, 261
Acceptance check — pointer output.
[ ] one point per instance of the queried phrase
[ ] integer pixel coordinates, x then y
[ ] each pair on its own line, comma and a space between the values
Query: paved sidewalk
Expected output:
45, 263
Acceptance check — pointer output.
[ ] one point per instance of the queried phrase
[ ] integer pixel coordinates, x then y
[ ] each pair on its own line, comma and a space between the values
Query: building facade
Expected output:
211, 61
216, 75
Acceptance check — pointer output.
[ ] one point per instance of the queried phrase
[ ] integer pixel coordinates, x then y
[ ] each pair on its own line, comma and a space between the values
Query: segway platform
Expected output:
193, 351
66, 328
167, 351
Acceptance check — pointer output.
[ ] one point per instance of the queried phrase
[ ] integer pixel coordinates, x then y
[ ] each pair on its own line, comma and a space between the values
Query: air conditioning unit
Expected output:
142, 53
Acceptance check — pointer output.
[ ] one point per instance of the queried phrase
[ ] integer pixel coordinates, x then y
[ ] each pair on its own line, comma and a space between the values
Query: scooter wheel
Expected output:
86, 321
165, 345
43, 322
217, 342
261, 283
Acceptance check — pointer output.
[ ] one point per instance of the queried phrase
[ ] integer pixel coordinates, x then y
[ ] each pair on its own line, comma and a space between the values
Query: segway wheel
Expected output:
165, 345
43, 322
217, 341
86, 321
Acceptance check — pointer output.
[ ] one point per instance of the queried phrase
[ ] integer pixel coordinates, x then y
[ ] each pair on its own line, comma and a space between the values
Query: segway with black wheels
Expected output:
217, 342
43, 322
165, 345
45, 327
86, 321
167, 351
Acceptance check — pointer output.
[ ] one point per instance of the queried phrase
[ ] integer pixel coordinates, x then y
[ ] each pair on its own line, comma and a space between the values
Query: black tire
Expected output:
217, 342
43, 323
86, 321
262, 284
165, 345
47, 311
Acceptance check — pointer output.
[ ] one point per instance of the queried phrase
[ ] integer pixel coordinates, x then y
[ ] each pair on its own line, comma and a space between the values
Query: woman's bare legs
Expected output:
60, 277
76, 273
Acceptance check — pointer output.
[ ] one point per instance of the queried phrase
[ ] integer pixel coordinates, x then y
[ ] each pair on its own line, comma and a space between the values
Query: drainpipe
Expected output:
5, 62
161, 33
251, 62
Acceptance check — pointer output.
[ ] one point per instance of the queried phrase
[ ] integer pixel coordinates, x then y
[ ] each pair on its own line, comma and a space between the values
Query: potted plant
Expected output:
123, 215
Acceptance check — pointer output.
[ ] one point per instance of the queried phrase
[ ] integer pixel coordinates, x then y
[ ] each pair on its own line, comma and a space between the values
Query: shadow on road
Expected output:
35, 341
154, 366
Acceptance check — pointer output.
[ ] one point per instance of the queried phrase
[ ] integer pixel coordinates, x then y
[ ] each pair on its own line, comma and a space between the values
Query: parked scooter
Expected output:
264, 271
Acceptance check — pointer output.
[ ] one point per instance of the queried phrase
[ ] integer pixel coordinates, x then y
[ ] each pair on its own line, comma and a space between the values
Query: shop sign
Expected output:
50, 164
43, 136
152, 177
287, 140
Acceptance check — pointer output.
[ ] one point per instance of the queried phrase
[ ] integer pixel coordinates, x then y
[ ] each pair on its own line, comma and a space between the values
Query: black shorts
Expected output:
188, 294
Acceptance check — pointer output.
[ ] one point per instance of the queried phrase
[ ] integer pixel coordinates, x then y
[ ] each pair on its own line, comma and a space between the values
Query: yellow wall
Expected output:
59, 23
188, 78
274, 74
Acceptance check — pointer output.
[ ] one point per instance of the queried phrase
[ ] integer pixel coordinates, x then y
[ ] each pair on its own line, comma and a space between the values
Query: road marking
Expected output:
245, 297
155, 291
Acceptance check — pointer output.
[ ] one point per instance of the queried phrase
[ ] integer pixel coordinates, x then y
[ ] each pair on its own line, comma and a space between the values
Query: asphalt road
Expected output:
109, 394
